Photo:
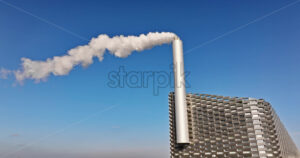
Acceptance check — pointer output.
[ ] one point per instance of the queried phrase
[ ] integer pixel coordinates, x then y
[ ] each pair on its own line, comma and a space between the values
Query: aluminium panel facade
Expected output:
231, 127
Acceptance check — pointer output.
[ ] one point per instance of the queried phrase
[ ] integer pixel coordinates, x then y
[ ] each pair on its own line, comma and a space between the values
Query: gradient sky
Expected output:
79, 115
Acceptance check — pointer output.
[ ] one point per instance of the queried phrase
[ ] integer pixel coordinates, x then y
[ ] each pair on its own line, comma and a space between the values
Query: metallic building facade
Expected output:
231, 127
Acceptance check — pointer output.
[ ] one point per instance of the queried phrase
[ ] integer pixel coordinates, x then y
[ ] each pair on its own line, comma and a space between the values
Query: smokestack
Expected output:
182, 134
120, 46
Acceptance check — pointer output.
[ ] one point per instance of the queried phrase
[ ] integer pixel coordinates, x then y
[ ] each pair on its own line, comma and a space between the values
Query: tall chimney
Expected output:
182, 134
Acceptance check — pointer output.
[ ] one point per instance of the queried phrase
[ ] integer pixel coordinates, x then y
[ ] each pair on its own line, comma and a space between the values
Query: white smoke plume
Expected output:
120, 46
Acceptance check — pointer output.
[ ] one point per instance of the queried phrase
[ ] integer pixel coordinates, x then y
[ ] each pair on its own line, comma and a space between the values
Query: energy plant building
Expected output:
230, 127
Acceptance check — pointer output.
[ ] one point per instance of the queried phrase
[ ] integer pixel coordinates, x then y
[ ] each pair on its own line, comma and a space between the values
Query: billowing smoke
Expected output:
120, 46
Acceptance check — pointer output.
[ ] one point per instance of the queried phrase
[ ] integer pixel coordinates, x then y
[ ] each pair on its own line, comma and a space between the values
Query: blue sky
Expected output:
79, 115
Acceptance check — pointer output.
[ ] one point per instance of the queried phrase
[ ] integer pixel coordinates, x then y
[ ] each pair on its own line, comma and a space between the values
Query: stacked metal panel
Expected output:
231, 127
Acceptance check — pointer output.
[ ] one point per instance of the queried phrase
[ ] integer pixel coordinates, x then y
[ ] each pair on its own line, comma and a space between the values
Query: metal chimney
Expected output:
182, 134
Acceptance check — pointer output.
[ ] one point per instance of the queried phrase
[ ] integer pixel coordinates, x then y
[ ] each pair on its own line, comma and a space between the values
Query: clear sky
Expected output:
79, 115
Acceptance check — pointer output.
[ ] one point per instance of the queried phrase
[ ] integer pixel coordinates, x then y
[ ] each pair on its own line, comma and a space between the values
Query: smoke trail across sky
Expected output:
120, 46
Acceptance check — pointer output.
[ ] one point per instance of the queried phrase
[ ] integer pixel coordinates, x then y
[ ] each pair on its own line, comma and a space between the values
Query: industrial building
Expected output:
230, 127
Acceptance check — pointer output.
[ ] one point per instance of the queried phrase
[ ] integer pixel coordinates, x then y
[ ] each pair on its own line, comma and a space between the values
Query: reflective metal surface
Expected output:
231, 127
182, 135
